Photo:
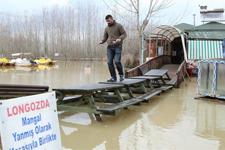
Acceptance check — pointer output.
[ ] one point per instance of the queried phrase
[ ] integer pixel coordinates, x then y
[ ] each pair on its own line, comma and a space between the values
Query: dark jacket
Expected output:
113, 32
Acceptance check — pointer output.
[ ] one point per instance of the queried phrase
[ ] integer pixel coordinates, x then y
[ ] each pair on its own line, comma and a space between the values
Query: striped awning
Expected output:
205, 49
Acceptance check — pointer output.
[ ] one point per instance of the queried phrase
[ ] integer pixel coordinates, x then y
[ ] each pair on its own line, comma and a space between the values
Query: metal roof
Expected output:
211, 26
219, 35
211, 30
165, 31
184, 26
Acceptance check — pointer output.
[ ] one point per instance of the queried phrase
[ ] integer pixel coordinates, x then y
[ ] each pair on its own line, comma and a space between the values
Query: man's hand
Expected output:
118, 40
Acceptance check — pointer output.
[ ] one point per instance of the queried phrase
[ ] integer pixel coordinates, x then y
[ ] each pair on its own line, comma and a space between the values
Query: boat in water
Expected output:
23, 62
44, 61
6, 62
26, 60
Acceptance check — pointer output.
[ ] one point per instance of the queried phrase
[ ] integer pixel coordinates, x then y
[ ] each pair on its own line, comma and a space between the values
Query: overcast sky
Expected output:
180, 11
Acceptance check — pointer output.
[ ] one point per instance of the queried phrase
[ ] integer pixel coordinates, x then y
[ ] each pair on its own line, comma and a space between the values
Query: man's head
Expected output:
109, 20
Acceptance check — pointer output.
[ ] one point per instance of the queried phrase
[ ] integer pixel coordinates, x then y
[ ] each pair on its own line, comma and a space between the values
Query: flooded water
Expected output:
61, 75
172, 121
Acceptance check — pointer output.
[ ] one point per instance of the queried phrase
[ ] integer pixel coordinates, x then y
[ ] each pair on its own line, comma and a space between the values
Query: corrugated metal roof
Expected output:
211, 30
205, 49
211, 26
184, 26
206, 35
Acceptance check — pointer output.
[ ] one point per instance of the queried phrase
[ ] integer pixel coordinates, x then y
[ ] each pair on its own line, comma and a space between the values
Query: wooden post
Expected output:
117, 92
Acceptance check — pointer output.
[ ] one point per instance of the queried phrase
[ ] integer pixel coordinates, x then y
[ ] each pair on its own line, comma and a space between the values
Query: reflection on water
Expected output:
62, 74
21, 68
211, 124
78, 118
172, 127
171, 121
68, 130
100, 147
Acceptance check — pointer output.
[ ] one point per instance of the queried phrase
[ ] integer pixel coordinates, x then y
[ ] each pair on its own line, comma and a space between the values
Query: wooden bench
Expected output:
12, 91
172, 82
111, 109
149, 95
165, 87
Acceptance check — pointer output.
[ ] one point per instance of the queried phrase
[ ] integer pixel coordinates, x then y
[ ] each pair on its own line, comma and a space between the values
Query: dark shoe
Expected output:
111, 80
121, 78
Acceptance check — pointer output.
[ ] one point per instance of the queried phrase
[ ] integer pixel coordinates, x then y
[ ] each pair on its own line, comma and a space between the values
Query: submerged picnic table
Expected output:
128, 83
138, 86
155, 76
102, 98
159, 73
149, 79
84, 97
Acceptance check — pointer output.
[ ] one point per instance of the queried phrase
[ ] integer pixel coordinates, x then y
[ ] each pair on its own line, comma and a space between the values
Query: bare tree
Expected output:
71, 31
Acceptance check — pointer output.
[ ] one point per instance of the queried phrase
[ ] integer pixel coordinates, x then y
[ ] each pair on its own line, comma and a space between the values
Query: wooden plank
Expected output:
172, 82
23, 86
77, 109
150, 94
145, 77
152, 80
109, 98
90, 87
69, 98
21, 90
133, 101
15, 95
19, 93
165, 87
156, 72
64, 92
126, 82
124, 104
13, 91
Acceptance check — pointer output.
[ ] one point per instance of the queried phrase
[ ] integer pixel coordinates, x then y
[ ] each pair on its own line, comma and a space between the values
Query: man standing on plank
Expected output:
114, 35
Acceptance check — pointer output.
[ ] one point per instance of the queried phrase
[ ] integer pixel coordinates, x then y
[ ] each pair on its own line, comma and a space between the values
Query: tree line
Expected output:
67, 33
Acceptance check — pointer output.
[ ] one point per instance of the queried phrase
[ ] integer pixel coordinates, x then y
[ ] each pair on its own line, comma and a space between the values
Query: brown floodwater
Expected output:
172, 121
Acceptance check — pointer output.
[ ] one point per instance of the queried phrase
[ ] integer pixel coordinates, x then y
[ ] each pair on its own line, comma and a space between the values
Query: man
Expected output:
114, 35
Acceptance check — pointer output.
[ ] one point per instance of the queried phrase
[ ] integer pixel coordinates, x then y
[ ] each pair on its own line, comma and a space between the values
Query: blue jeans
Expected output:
114, 55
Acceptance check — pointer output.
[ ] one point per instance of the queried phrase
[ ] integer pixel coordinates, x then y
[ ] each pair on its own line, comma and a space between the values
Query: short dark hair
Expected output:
108, 16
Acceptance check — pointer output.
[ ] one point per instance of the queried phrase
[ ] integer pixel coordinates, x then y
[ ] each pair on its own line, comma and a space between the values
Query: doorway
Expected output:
177, 51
